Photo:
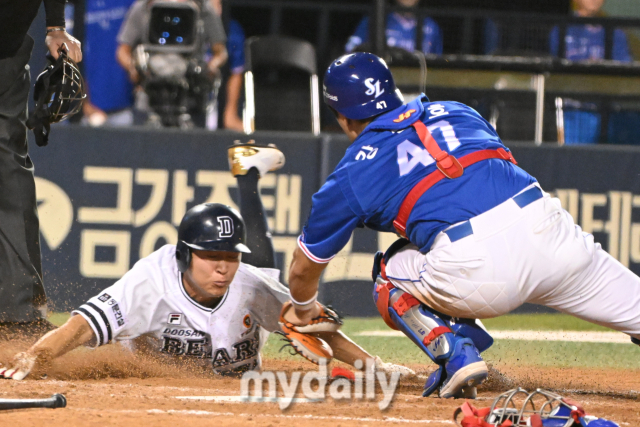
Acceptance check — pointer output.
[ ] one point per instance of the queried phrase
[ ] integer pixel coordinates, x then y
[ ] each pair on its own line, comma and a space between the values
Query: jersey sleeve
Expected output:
330, 223
122, 310
554, 41
620, 47
270, 297
54, 10
360, 36
432, 37
213, 28
132, 29
235, 47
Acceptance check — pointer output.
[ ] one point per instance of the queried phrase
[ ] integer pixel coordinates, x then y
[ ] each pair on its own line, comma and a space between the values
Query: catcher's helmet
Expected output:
210, 227
59, 93
360, 85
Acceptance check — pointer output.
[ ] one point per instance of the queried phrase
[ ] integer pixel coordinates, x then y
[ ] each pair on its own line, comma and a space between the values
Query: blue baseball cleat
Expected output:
459, 375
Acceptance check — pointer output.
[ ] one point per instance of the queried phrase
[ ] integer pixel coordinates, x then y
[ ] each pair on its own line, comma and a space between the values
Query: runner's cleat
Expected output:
265, 158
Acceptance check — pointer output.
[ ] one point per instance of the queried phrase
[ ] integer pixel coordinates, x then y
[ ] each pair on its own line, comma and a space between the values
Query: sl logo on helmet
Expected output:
373, 88
225, 225
404, 116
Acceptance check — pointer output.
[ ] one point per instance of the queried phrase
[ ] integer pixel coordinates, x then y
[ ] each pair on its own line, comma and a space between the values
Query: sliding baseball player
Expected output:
199, 299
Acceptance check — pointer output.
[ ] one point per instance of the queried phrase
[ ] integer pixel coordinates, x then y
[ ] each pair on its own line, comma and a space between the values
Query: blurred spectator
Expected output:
135, 31
401, 31
235, 48
583, 120
586, 42
109, 91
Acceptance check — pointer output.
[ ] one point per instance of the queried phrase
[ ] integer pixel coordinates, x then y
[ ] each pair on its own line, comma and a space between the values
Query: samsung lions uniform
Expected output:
401, 32
483, 243
150, 303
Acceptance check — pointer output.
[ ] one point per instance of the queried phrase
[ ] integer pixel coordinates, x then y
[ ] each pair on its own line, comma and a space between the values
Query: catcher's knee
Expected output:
433, 332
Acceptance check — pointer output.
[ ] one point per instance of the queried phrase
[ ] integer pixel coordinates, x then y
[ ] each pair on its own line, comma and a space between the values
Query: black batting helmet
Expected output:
210, 227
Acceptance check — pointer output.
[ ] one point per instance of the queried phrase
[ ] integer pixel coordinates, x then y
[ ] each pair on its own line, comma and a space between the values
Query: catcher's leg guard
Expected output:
636, 341
401, 311
461, 366
472, 329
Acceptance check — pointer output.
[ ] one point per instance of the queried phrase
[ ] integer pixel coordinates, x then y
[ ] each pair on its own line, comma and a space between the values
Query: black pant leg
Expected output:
258, 236
21, 288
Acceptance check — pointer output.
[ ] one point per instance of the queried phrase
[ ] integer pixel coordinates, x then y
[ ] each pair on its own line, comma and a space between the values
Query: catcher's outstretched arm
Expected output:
304, 278
72, 334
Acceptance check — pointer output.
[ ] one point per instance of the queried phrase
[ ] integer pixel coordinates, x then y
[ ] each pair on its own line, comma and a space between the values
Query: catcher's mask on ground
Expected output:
58, 93
541, 408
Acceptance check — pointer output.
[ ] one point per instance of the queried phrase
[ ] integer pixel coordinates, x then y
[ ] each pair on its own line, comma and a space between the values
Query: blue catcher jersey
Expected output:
388, 159
401, 32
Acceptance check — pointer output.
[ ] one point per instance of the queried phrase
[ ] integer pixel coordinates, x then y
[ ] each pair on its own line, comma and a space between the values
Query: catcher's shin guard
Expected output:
401, 311
460, 364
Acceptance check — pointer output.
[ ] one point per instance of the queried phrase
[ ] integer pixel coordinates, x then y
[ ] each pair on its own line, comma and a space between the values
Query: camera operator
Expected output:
135, 32
22, 296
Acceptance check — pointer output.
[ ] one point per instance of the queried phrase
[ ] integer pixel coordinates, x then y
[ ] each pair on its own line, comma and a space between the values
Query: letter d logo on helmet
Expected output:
360, 85
210, 227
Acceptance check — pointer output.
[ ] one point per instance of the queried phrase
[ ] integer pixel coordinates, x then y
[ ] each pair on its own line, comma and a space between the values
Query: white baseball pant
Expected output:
533, 254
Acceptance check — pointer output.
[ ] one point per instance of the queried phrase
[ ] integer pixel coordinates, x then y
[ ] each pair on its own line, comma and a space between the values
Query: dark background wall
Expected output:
109, 196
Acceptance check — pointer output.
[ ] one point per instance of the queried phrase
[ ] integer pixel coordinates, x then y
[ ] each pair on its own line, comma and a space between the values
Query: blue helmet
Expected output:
360, 85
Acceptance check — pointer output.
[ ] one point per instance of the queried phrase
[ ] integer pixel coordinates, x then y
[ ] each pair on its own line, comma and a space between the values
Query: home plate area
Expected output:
136, 392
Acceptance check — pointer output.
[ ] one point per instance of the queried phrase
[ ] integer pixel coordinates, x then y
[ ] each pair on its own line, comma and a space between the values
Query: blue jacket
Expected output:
401, 32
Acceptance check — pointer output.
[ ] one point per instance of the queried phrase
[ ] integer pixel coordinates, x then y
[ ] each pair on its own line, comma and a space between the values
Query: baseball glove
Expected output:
300, 337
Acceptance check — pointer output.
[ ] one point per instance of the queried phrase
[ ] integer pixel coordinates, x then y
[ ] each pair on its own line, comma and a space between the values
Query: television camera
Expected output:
179, 89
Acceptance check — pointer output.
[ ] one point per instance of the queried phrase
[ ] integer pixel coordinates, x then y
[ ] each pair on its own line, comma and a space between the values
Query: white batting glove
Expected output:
390, 368
21, 365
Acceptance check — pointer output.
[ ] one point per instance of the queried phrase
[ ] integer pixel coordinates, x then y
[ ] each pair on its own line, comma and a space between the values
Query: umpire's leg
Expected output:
22, 297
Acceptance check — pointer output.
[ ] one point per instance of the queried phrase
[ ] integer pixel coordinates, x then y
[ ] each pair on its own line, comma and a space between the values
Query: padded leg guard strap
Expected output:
401, 311
473, 329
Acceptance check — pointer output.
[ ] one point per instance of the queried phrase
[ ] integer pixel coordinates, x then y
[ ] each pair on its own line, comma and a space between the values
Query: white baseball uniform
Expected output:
533, 254
149, 304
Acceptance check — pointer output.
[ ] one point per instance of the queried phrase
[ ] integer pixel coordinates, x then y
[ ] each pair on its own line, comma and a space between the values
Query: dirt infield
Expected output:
110, 387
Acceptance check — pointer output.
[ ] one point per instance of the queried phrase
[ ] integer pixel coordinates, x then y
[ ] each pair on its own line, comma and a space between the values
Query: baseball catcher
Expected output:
479, 235
214, 296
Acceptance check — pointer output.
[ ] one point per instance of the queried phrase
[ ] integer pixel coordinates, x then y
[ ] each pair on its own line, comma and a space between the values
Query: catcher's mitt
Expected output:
308, 346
